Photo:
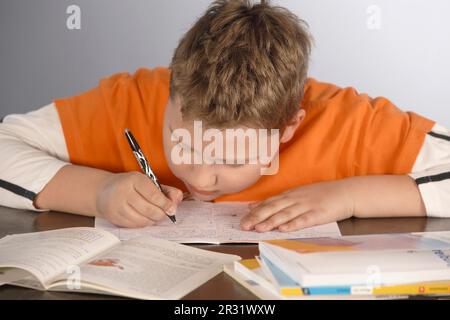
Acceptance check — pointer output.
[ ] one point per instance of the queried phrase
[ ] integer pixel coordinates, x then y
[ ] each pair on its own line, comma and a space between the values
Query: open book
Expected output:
95, 261
206, 222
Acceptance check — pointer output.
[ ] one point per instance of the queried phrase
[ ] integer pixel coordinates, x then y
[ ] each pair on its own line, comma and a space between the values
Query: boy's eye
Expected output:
186, 148
183, 145
235, 165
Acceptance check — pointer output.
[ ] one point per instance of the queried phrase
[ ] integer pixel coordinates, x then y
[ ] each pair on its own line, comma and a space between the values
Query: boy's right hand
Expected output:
131, 200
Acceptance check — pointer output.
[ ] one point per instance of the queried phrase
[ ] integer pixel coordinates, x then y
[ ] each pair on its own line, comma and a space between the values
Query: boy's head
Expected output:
241, 65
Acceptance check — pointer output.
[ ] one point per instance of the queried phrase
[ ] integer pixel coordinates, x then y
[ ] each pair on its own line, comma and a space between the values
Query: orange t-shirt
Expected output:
343, 133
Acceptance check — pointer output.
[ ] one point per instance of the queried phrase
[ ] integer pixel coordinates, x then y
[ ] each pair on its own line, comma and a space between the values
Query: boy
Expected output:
241, 66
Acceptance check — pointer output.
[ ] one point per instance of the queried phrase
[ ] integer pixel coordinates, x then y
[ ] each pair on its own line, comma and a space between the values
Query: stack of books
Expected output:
349, 267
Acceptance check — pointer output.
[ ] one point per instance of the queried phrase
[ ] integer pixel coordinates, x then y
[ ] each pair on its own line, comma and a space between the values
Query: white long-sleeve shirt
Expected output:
33, 149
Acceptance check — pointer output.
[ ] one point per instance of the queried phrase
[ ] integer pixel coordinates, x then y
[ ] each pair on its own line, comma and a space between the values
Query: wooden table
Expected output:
220, 287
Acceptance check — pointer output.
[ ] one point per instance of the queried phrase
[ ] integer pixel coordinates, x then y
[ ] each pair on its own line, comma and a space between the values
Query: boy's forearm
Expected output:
73, 189
385, 196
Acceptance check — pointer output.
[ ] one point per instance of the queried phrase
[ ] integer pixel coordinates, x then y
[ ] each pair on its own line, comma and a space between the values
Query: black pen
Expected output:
145, 165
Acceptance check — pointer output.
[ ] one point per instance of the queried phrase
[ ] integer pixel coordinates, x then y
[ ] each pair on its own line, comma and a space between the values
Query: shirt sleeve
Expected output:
33, 150
431, 171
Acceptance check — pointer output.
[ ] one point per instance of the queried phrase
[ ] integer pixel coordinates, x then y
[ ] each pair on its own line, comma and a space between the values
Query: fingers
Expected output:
128, 217
145, 208
174, 194
145, 187
268, 200
263, 212
281, 217
253, 205
132, 200
306, 220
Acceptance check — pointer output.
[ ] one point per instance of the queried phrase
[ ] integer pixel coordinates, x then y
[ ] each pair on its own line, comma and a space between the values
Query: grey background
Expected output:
406, 60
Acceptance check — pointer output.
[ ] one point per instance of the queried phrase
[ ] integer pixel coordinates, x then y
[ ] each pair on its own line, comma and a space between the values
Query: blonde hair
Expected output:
242, 64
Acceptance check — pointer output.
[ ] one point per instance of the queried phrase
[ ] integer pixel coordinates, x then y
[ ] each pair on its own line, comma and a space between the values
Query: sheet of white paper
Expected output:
206, 222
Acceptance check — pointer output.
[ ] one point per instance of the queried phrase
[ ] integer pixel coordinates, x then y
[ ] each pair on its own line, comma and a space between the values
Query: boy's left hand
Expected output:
302, 207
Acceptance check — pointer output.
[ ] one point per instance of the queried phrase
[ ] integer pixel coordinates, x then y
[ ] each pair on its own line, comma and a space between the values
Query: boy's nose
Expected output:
203, 177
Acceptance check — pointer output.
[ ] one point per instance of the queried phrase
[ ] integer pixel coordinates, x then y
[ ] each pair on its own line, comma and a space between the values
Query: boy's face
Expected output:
207, 168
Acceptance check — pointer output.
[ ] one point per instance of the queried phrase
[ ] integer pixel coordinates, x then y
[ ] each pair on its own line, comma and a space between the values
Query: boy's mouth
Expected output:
200, 191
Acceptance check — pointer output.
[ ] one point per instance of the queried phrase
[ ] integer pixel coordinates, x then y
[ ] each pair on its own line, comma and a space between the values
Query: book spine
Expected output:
416, 289
413, 289
327, 291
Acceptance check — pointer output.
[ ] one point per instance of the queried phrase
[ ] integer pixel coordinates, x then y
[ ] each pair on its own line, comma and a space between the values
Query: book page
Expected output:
206, 222
48, 254
150, 268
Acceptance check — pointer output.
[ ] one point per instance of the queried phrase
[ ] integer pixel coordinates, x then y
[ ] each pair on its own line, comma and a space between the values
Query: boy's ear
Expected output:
292, 126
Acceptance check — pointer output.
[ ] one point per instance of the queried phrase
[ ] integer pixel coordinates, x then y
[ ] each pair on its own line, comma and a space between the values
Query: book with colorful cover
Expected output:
253, 270
283, 283
425, 288
266, 294
390, 241
369, 261
250, 284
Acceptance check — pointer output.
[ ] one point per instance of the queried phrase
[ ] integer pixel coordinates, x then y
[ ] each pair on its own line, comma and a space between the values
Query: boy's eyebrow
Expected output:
223, 160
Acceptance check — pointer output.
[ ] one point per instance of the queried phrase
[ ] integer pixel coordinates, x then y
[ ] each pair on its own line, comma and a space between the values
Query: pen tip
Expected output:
173, 218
